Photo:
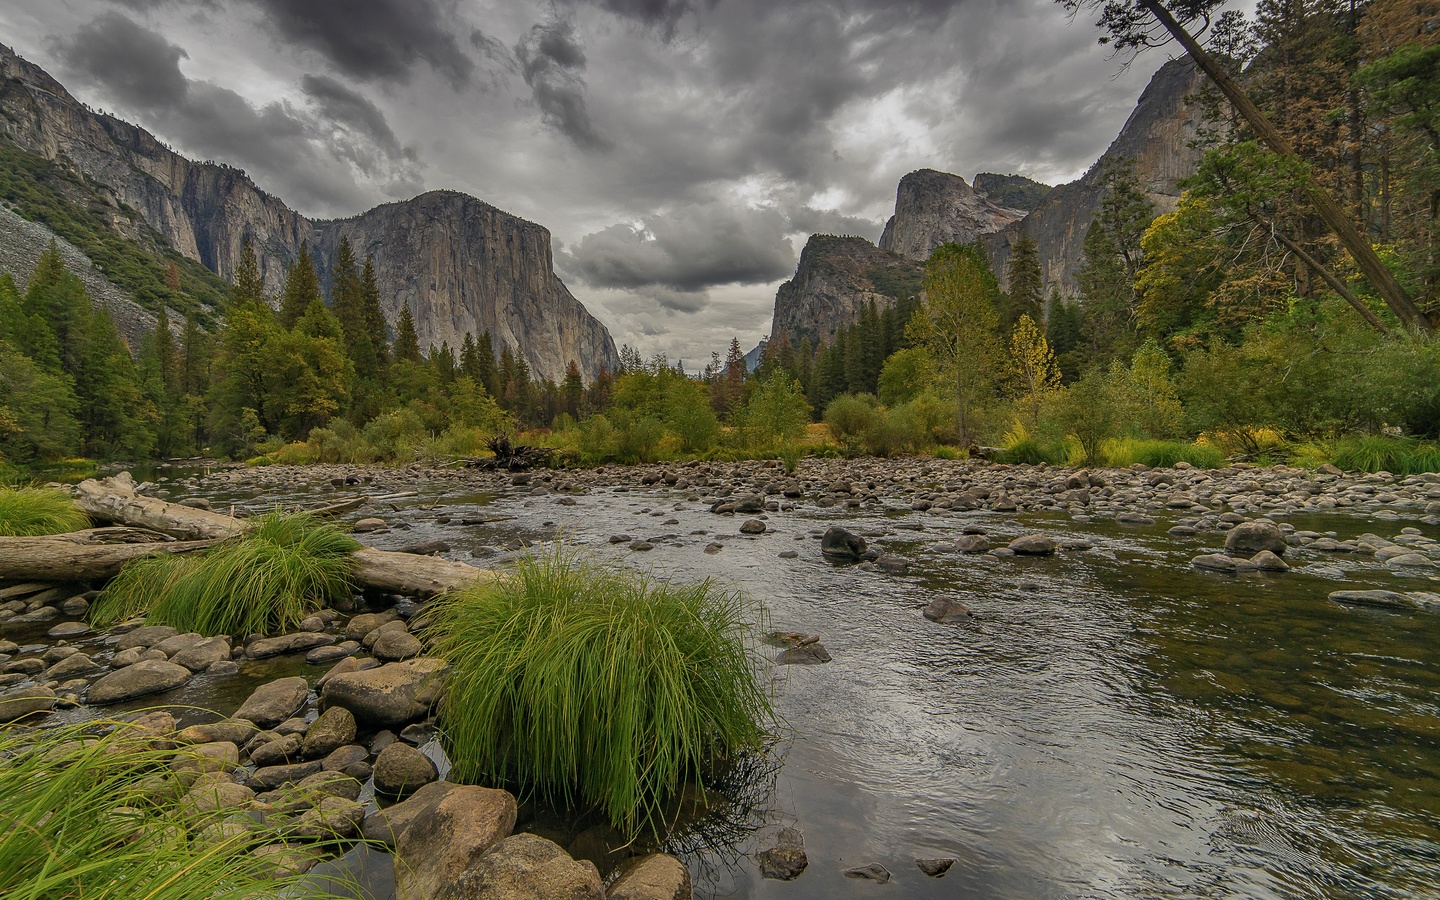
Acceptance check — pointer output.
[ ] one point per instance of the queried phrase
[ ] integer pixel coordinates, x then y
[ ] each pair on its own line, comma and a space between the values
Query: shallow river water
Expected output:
1112, 723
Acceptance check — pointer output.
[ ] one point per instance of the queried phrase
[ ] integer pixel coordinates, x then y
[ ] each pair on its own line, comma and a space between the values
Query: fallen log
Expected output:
114, 500
59, 559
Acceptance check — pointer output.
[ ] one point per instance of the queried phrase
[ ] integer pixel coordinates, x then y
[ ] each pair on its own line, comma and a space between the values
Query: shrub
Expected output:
849, 416
581, 682
266, 582
1383, 453
1023, 448
31, 511
776, 414
86, 816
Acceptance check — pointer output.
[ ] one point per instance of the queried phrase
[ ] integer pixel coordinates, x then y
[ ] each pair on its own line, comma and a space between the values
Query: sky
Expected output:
680, 151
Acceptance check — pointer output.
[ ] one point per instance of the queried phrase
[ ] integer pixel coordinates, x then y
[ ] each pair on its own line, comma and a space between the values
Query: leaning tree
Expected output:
1134, 25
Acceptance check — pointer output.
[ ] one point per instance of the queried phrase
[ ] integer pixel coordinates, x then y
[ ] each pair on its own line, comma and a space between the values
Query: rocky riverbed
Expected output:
334, 721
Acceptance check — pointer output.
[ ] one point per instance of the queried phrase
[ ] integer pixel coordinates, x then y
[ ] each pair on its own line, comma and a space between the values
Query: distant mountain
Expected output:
836, 278
461, 264
833, 279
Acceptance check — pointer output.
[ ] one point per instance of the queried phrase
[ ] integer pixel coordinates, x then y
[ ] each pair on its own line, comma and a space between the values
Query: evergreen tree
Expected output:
374, 316
247, 286
301, 286
485, 358
1026, 292
469, 359
349, 301
165, 350
573, 390
58, 299
407, 342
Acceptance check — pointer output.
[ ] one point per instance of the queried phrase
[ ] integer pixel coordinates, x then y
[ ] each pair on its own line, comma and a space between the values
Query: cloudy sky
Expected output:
679, 151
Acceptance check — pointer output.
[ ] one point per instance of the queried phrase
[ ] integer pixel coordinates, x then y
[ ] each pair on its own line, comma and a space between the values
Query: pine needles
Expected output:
581, 682
32, 512
267, 582
87, 817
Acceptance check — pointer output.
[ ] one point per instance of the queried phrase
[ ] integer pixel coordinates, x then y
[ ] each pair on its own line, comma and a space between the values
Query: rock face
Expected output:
461, 265
1157, 137
934, 208
836, 278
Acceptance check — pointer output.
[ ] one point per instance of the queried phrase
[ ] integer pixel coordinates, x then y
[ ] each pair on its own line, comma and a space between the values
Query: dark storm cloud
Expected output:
688, 251
551, 60
294, 150
136, 65
375, 39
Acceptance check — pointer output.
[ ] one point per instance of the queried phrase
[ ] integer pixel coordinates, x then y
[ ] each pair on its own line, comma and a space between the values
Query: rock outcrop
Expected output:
461, 264
934, 208
1157, 136
836, 278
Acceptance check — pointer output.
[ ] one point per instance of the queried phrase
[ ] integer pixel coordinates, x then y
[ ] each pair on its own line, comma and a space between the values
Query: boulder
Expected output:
869, 872
203, 654
25, 701
268, 778
386, 825
281, 751
752, 526
71, 666
400, 769
786, 860
394, 646
526, 867
332, 817
363, 624
275, 702
264, 648
1266, 561
658, 876
334, 729
947, 611
1249, 538
935, 868
391, 695
1380, 599
148, 676
145, 637
840, 543
972, 543
1033, 545
436, 848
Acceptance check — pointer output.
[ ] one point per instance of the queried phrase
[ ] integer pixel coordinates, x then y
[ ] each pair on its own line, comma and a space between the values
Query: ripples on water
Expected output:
1112, 723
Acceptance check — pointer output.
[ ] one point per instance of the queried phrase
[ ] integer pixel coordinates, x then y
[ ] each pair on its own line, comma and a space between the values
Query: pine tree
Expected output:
247, 286
485, 358
165, 350
469, 359
1026, 291
301, 286
407, 342
573, 389
374, 315
349, 301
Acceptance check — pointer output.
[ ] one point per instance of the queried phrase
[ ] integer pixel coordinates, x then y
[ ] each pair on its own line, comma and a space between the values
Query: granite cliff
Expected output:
461, 264
934, 208
835, 278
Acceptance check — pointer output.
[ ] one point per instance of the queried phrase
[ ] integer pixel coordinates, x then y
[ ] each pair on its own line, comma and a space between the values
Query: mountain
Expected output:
1158, 136
461, 264
934, 208
835, 278
832, 281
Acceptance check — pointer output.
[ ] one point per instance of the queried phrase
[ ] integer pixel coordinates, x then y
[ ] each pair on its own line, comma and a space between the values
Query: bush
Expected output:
87, 815
1023, 448
267, 582
849, 416
776, 414
580, 682
31, 511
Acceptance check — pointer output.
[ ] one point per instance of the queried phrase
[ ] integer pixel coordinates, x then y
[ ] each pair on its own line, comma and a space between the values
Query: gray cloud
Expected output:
551, 60
687, 251
294, 150
375, 39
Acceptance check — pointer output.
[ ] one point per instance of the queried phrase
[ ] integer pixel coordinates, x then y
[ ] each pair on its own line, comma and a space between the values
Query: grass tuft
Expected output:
32, 511
1161, 454
88, 815
266, 582
1382, 453
583, 683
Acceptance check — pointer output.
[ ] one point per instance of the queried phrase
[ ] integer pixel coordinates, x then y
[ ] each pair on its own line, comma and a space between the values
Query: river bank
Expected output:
932, 697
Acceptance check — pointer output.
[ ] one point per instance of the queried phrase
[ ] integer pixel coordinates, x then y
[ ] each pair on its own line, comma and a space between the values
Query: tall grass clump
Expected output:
1383, 453
1156, 454
267, 582
32, 511
87, 816
582, 683
1020, 447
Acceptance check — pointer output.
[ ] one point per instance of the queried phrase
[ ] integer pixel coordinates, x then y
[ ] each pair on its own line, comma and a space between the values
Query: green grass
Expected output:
587, 684
284, 569
32, 511
1161, 454
1380, 453
92, 816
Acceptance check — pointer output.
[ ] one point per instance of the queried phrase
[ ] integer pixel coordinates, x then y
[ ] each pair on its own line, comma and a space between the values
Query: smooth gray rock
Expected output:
400, 770
148, 676
1249, 538
270, 704
841, 543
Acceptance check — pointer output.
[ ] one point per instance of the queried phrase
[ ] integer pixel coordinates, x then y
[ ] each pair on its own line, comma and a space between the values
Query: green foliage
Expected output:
82, 213
31, 511
285, 568
907, 374
1383, 453
1087, 412
1123, 452
1021, 447
849, 416
775, 415
92, 812
578, 682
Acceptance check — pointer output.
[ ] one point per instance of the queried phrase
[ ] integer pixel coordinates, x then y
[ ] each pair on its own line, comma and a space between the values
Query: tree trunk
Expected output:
1336, 284
61, 559
114, 500
1350, 237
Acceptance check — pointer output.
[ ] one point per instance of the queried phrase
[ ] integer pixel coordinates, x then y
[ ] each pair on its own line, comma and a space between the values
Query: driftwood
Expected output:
59, 559
115, 500
511, 457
